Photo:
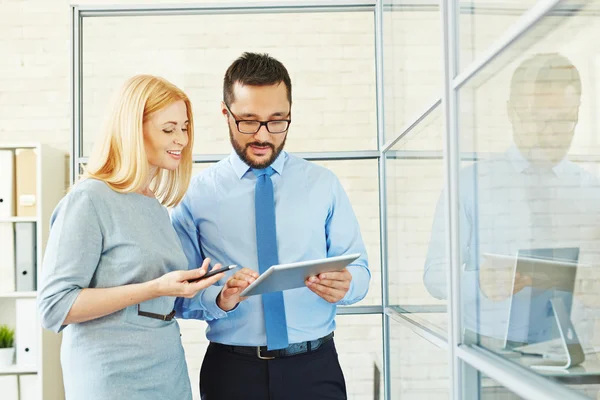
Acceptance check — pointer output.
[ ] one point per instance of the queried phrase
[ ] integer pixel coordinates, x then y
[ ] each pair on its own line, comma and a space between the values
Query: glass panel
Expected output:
418, 369
359, 346
492, 390
530, 203
330, 58
483, 22
359, 179
412, 62
416, 226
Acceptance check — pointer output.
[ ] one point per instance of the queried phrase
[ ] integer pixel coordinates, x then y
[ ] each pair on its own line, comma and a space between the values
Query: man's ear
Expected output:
510, 111
224, 109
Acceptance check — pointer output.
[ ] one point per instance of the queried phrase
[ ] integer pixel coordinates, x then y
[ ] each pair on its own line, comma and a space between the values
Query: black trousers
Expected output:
310, 376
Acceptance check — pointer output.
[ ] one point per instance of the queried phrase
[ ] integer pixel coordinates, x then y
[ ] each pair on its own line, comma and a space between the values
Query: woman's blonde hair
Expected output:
119, 157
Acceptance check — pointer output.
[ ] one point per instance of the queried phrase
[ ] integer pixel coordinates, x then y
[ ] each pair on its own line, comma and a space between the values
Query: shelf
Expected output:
18, 295
18, 219
18, 370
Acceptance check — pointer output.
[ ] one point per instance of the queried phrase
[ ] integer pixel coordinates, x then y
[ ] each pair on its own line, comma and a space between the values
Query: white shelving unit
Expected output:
50, 188
18, 295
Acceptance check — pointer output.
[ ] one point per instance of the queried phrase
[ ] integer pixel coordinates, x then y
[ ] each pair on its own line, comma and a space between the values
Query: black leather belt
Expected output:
162, 317
264, 354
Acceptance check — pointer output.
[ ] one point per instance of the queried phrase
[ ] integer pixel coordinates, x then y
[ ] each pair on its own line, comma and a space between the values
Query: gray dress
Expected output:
100, 239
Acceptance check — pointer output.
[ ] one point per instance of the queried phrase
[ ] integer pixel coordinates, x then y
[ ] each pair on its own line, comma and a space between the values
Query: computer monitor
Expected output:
531, 317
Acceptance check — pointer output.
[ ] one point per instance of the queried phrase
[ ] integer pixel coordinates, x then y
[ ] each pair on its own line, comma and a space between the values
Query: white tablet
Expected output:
292, 276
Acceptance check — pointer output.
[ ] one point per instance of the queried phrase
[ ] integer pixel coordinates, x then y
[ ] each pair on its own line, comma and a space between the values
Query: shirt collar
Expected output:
240, 167
520, 163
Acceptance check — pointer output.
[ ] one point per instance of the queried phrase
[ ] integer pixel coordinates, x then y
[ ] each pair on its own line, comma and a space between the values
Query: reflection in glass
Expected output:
529, 217
529, 206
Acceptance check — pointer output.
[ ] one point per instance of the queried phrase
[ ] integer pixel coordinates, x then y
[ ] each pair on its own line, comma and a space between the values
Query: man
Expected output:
528, 199
258, 207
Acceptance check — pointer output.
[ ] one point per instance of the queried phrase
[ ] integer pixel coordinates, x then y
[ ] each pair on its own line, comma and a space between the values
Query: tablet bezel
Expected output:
312, 267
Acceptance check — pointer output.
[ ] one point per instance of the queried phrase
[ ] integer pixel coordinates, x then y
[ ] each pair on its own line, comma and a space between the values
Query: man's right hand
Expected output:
230, 294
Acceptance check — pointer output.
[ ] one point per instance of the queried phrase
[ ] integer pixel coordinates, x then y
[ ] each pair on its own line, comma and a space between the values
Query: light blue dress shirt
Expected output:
314, 220
504, 208
101, 239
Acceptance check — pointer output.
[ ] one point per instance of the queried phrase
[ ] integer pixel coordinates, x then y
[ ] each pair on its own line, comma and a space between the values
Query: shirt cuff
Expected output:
208, 298
351, 296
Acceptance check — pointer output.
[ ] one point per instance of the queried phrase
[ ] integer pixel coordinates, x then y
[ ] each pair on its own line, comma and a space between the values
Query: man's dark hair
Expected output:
256, 70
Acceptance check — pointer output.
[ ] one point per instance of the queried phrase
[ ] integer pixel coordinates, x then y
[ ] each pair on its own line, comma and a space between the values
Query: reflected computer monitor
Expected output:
531, 318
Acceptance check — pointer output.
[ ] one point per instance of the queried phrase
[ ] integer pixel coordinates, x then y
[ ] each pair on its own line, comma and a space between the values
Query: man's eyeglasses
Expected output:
558, 122
250, 127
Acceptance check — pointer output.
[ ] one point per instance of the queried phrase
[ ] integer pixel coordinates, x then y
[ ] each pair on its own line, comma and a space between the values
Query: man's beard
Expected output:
242, 151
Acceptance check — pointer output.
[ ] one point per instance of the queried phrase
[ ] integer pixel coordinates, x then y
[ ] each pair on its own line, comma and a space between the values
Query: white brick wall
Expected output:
331, 60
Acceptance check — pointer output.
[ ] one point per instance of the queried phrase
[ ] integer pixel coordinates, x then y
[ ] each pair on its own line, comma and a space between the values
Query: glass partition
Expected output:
529, 209
528, 184
482, 23
412, 62
330, 57
418, 368
416, 227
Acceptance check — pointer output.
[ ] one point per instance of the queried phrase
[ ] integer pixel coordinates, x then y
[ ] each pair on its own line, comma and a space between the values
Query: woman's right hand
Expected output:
176, 283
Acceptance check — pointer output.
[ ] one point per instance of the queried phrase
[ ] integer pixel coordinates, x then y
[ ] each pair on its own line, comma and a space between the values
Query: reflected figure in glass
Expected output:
528, 216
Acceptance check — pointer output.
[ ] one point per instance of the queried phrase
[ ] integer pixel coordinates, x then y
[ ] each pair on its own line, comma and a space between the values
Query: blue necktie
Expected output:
266, 241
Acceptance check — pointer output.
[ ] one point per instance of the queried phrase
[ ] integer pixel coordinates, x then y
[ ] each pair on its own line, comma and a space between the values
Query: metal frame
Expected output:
382, 195
523, 25
449, 20
76, 93
515, 378
420, 329
519, 380
225, 8
313, 156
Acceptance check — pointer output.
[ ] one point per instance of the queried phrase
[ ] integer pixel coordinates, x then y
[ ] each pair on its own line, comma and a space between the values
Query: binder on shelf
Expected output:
7, 257
29, 385
25, 256
26, 329
10, 388
7, 184
26, 182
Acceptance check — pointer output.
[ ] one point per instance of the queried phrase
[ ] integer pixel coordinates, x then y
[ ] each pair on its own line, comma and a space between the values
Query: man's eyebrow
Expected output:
252, 115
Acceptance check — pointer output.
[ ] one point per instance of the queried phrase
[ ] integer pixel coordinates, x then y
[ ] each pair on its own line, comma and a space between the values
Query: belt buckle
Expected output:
260, 356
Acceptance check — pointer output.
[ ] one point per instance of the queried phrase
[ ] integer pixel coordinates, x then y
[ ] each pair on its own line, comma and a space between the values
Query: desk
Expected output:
586, 373
430, 322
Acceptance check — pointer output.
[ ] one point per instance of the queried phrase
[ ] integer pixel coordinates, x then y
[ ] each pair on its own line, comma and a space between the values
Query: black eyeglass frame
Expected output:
261, 123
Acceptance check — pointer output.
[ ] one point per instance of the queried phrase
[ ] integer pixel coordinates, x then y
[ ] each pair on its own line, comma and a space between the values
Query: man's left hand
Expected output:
331, 286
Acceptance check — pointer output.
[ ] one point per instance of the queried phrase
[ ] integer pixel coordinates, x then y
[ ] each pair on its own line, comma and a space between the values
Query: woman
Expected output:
114, 265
